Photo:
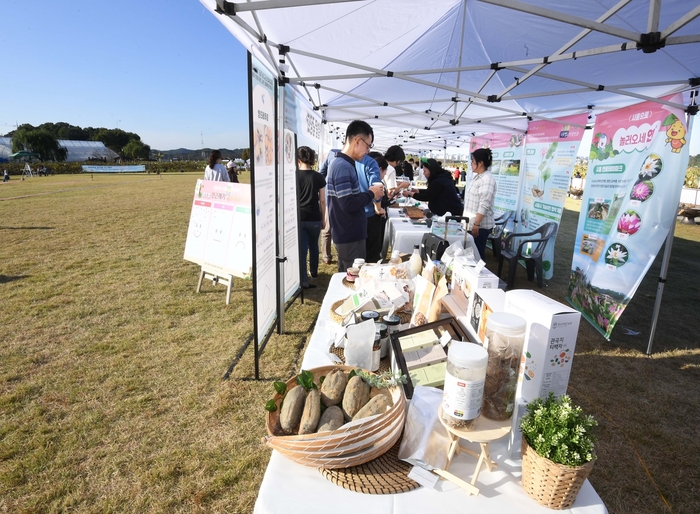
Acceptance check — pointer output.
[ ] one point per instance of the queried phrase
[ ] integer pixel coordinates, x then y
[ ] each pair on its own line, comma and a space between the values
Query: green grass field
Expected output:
112, 397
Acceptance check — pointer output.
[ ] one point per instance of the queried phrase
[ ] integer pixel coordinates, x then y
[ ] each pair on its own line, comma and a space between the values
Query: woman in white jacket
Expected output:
215, 170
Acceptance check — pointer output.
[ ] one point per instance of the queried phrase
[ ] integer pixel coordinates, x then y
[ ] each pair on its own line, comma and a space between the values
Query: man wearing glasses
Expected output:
345, 198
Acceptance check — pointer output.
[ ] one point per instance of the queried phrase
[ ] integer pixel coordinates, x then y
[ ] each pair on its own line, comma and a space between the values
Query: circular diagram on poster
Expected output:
616, 255
288, 148
642, 190
652, 166
629, 223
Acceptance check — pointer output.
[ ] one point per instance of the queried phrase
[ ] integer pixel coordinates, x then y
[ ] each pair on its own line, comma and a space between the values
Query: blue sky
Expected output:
165, 69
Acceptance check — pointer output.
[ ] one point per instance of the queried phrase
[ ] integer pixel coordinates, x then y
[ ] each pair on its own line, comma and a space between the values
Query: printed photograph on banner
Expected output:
638, 158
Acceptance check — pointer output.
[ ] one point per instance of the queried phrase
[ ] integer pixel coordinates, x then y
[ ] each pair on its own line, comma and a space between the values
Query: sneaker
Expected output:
314, 275
308, 286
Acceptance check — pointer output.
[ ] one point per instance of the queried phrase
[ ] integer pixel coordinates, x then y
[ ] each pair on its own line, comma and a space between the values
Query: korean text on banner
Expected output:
639, 155
550, 155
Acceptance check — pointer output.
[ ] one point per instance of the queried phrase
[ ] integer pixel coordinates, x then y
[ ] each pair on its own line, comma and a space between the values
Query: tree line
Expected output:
43, 140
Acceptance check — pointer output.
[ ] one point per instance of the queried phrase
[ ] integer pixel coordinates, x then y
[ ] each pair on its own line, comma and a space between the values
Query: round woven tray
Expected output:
348, 284
384, 475
405, 316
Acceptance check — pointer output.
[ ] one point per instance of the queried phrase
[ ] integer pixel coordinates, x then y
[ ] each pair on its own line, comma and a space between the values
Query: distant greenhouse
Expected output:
78, 151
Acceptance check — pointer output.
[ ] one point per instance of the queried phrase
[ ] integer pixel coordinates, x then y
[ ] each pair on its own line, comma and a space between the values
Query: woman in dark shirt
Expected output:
311, 194
441, 193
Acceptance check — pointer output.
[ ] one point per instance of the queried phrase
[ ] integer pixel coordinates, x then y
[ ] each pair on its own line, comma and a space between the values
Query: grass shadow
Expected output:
8, 278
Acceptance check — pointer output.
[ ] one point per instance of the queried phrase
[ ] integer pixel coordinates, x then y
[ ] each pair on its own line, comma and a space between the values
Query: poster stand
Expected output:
215, 278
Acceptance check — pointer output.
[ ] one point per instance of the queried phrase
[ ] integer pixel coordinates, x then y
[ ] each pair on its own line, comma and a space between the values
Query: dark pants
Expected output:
310, 230
348, 252
480, 241
375, 237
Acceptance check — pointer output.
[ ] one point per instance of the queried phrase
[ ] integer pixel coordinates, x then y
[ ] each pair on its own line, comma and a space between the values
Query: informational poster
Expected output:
304, 125
636, 169
292, 270
262, 112
219, 236
507, 151
550, 154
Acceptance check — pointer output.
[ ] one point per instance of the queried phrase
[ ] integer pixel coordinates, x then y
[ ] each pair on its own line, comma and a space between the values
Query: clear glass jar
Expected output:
392, 324
505, 337
464, 384
384, 339
376, 351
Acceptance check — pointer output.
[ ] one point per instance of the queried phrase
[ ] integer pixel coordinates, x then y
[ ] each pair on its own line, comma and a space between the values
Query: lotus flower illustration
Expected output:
642, 190
629, 223
651, 167
616, 255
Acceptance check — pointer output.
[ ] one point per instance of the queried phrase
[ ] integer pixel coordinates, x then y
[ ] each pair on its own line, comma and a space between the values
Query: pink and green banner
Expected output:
636, 169
550, 154
507, 152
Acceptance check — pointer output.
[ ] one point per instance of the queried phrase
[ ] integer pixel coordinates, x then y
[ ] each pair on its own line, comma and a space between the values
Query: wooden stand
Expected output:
485, 431
212, 275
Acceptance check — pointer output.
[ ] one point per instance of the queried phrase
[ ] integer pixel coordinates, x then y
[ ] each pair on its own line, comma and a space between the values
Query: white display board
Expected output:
263, 148
219, 236
290, 232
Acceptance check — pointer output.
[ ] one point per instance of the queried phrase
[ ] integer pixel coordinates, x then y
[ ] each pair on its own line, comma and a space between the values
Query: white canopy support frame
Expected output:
388, 84
430, 75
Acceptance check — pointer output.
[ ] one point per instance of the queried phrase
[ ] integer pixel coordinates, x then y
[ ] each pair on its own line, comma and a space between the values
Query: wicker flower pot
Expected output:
552, 485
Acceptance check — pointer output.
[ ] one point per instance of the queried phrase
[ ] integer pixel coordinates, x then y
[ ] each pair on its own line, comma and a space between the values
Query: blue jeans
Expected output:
310, 232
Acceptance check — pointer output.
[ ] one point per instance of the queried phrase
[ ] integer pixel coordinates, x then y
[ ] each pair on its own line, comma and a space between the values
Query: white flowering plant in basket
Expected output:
559, 431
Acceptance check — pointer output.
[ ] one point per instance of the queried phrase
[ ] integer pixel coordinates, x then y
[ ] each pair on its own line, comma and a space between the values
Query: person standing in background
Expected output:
376, 224
479, 198
346, 200
215, 170
368, 174
311, 195
232, 172
441, 193
326, 235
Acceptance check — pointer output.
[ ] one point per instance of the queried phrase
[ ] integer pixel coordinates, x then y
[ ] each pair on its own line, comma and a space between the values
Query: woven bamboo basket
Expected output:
552, 485
352, 444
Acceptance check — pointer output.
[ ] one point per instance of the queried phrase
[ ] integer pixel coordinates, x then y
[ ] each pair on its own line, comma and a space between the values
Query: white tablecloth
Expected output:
288, 487
403, 234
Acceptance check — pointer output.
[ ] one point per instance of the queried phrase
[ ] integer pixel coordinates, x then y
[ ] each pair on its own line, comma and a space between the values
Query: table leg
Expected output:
451, 449
485, 459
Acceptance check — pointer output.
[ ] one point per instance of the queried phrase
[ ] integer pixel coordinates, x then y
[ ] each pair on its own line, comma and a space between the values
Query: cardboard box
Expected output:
548, 352
468, 279
485, 302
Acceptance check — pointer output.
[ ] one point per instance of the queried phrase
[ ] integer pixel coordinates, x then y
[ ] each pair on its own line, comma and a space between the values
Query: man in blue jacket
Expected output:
346, 199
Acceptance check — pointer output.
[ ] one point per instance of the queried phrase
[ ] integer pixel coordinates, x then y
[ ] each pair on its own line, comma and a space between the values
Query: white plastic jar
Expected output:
505, 337
464, 384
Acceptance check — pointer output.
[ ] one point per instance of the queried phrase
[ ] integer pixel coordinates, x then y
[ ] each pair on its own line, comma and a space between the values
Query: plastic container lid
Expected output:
467, 355
366, 315
506, 324
391, 320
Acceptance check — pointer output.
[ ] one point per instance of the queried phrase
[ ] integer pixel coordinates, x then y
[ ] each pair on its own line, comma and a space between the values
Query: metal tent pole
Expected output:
665, 264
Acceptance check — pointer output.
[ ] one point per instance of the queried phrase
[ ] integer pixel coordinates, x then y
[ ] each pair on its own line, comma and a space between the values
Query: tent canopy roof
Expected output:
431, 74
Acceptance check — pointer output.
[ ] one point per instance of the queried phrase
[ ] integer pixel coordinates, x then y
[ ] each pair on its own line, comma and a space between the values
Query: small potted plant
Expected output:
558, 450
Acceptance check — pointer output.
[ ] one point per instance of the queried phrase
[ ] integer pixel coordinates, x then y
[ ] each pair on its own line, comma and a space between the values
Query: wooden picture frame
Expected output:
438, 328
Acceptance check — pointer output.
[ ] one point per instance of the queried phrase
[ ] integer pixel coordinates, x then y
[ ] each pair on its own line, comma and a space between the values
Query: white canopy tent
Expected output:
430, 74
